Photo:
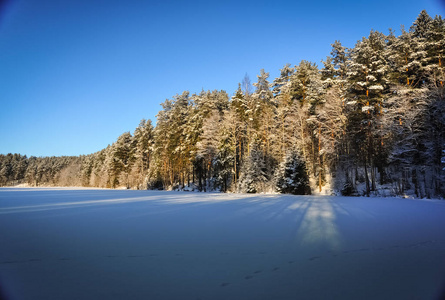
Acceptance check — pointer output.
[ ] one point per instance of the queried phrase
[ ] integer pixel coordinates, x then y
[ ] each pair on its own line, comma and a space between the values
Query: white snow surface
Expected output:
116, 244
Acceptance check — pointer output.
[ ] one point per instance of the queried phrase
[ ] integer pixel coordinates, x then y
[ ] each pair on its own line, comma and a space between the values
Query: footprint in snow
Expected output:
258, 271
275, 269
314, 258
248, 277
224, 284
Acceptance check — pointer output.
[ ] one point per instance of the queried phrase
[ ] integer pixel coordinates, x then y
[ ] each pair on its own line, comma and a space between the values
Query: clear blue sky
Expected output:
74, 75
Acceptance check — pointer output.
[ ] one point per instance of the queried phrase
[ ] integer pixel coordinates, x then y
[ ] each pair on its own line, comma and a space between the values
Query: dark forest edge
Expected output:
371, 121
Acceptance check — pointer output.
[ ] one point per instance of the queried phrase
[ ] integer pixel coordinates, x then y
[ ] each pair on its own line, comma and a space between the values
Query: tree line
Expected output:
370, 120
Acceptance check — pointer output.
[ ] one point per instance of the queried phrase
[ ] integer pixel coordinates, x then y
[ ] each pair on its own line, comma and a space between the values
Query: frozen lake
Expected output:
119, 244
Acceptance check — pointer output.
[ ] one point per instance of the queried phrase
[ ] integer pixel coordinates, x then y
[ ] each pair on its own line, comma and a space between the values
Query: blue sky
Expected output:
74, 75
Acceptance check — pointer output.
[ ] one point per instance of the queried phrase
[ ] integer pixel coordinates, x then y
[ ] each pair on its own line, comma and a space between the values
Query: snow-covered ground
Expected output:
119, 244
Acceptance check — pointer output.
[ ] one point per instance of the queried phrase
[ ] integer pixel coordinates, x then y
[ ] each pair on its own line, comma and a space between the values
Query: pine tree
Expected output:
234, 136
367, 82
227, 160
253, 176
436, 51
421, 25
207, 147
402, 62
263, 109
121, 160
280, 84
291, 176
340, 59
143, 143
421, 32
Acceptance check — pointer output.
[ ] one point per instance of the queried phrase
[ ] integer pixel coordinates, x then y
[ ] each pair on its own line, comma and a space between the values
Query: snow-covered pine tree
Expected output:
263, 118
298, 91
403, 121
291, 176
301, 79
279, 85
331, 122
283, 132
227, 160
143, 144
421, 31
253, 178
161, 168
86, 170
316, 99
237, 122
328, 72
122, 158
6, 170
340, 59
332, 116
199, 132
436, 51
284, 135
307, 92
173, 156
181, 155
100, 167
401, 61
367, 84
207, 147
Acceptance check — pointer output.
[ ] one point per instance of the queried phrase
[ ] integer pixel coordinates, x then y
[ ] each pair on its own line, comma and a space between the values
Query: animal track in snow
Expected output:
314, 258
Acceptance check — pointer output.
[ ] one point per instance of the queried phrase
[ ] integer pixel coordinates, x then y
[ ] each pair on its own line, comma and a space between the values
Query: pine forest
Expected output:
370, 120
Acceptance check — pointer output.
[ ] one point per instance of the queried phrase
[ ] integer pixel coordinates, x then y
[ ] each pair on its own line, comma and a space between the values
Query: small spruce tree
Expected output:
291, 176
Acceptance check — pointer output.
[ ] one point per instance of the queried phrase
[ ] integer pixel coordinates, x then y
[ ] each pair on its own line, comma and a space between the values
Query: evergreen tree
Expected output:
228, 160
421, 32
263, 109
253, 178
367, 81
280, 84
207, 147
143, 143
436, 51
291, 176
340, 59
121, 160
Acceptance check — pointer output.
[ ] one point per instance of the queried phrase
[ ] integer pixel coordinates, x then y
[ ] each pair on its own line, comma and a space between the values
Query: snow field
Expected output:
114, 244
